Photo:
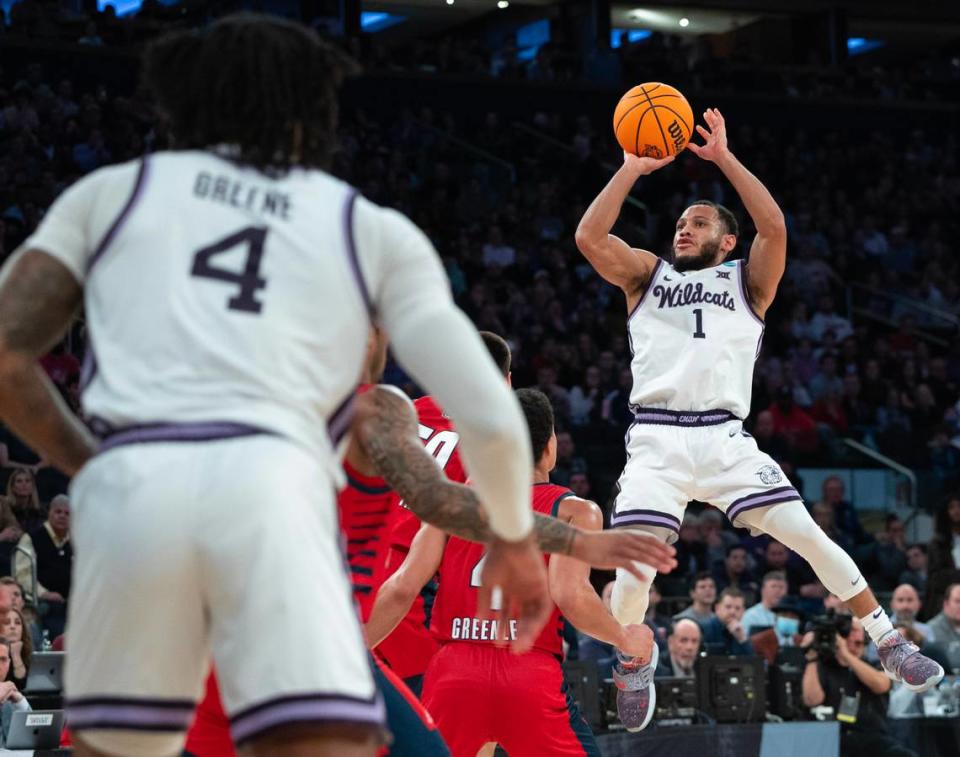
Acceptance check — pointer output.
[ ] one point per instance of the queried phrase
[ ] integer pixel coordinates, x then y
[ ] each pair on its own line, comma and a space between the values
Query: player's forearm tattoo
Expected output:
389, 437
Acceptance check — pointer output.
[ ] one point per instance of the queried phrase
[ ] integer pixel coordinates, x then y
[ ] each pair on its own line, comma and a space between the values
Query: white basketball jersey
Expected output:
694, 339
216, 294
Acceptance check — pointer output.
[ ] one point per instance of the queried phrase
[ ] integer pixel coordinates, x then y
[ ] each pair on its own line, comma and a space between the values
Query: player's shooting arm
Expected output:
395, 597
768, 253
386, 428
622, 265
38, 299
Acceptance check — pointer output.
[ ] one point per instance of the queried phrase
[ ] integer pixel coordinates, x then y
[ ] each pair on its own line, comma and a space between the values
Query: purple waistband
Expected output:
177, 432
662, 417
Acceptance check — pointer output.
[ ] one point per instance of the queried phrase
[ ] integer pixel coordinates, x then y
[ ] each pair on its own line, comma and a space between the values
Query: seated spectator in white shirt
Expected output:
53, 551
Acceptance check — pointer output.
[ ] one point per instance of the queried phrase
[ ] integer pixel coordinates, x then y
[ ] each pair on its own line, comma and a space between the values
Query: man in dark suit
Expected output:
683, 646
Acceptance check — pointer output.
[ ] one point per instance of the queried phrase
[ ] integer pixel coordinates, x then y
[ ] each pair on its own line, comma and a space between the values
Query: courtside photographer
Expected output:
836, 676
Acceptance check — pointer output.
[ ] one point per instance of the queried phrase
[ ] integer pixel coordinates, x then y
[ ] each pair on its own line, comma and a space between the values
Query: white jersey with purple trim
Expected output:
694, 339
219, 297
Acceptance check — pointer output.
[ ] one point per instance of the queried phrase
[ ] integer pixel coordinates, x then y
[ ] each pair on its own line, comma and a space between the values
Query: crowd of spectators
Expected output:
876, 209
689, 61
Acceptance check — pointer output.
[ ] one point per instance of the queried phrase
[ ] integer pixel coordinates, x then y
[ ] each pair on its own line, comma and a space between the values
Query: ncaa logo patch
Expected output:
770, 474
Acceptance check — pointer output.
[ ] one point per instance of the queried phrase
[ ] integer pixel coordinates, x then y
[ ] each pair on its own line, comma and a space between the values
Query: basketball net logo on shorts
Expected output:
770, 474
679, 295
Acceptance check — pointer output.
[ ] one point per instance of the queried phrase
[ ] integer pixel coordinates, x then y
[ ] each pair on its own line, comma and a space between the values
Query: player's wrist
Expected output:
724, 159
632, 170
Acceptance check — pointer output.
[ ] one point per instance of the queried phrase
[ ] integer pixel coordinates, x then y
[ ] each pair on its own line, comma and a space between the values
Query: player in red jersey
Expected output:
385, 439
410, 647
476, 691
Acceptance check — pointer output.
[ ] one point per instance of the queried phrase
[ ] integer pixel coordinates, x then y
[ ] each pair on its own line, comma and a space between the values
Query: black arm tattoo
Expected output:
38, 297
387, 431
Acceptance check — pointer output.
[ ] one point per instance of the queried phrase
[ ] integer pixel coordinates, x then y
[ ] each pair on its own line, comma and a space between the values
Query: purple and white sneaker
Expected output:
902, 661
636, 694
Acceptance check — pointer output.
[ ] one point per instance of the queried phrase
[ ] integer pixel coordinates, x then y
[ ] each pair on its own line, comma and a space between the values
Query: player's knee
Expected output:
630, 596
791, 524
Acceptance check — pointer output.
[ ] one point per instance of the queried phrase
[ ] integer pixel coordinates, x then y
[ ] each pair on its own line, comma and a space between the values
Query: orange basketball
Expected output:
653, 120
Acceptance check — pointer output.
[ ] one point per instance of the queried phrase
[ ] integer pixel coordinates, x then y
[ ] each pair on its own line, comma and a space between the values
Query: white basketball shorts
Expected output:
227, 547
674, 457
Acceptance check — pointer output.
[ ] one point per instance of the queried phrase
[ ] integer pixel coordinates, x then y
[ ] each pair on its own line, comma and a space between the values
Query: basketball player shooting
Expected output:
694, 328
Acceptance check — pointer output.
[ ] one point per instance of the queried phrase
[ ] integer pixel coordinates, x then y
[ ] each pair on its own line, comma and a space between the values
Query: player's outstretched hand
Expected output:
642, 166
714, 137
518, 570
637, 641
618, 548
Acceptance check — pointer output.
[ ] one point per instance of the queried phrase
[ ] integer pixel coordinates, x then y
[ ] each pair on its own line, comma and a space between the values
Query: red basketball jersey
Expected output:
455, 616
438, 436
409, 648
367, 513
209, 735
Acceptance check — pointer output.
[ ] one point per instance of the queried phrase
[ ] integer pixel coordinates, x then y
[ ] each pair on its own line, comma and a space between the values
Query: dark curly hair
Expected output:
265, 88
539, 415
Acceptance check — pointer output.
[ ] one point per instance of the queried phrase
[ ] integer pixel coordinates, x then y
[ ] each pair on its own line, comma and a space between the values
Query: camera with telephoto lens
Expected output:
825, 630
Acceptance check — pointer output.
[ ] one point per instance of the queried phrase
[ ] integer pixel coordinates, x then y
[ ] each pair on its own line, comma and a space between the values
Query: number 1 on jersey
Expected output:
496, 596
698, 334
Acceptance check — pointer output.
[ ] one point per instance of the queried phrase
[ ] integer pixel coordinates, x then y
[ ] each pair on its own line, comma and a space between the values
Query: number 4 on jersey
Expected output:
248, 279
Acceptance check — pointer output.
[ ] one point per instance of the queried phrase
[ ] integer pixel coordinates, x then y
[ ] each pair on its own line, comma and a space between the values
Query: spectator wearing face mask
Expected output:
789, 616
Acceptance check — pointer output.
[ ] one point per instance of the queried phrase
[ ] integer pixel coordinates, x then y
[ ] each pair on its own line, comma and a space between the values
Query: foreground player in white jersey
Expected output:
695, 328
228, 289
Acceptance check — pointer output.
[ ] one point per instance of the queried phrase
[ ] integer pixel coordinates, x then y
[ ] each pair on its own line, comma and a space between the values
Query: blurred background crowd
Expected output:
497, 161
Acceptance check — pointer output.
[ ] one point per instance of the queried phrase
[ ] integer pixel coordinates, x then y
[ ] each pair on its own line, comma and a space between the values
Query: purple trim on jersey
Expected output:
130, 713
306, 708
663, 417
124, 214
178, 432
645, 517
342, 417
762, 499
653, 276
352, 251
742, 278
89, 367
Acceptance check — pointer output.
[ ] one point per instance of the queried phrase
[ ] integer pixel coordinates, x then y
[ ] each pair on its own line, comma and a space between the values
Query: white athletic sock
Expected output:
878, 625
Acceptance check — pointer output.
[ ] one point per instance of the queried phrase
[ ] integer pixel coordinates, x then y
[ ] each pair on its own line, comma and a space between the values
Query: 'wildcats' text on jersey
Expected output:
694, 338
